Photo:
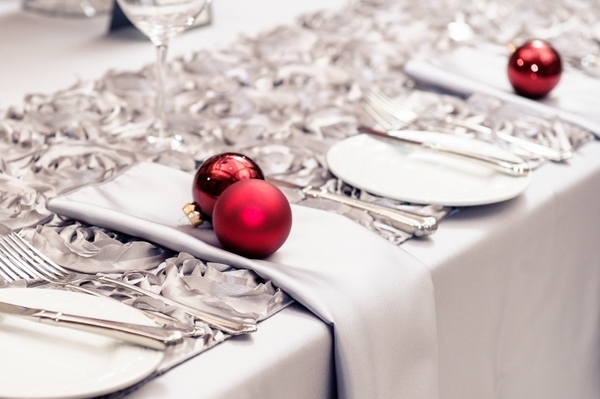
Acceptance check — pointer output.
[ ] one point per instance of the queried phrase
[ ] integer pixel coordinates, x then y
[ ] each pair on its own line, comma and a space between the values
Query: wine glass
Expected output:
161, 21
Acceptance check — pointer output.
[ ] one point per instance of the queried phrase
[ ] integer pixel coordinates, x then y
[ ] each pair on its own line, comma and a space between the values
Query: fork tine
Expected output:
378, 116
11, 263
6, 271
14, 262
404, 115
4, 276
25, 261
398, 117
38, 256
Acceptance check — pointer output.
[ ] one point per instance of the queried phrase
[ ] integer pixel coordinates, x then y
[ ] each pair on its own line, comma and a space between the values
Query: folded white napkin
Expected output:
468, 70
377, 297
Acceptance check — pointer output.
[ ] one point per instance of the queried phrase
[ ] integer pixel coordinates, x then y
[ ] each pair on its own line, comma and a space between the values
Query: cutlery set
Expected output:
19, 260
393, 117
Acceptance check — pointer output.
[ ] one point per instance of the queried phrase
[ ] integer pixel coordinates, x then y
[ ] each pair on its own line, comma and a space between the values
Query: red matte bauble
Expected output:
219, 172
534, 69
252, 218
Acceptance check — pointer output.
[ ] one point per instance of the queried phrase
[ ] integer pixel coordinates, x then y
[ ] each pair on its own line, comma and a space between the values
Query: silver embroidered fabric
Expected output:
283, 98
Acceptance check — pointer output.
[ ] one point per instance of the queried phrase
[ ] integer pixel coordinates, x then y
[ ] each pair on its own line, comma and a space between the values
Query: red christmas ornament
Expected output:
219, 172
252, 218
534, 69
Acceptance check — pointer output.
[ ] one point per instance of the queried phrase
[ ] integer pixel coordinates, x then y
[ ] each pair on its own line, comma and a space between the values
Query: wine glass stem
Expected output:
161, 58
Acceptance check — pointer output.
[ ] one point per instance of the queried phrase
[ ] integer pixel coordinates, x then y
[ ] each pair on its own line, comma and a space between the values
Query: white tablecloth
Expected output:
517, 288
517, 284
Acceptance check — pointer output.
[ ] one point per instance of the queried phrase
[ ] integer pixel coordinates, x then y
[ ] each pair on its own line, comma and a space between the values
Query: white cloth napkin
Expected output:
377, 297
468, 70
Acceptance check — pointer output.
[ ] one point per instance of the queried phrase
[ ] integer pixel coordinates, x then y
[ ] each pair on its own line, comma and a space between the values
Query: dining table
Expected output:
501, 301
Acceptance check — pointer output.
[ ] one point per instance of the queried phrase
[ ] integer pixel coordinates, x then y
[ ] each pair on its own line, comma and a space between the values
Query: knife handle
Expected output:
531, 146
405, 221
147, 336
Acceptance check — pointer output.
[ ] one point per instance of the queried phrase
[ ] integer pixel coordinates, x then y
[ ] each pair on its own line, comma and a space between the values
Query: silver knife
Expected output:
408, 222
511, 167
531, 146
147, 336
231, 324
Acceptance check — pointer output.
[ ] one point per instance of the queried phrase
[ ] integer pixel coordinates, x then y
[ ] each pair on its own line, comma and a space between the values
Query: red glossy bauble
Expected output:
252, 218
534, 69
219, 172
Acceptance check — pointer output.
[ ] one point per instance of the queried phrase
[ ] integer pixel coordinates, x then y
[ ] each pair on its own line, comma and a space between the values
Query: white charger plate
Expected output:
419, 176
44, 361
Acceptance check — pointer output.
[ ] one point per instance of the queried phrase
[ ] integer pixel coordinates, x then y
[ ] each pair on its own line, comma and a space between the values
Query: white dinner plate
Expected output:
44, 361
419, 176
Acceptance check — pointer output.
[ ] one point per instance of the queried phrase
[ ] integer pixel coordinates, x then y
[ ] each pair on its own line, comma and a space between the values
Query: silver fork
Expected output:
15, 267
394, 116
513, 165
21, 260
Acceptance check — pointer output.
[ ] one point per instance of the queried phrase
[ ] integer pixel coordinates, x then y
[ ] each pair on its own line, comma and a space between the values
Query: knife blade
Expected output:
230, 324
517, 168
147, 336
531, 146
405, 221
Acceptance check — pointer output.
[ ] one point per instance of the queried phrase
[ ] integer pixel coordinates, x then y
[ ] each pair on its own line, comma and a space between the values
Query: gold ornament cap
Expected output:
192, 211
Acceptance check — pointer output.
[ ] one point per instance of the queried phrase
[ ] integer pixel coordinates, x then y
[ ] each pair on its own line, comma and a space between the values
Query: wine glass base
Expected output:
68, 8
